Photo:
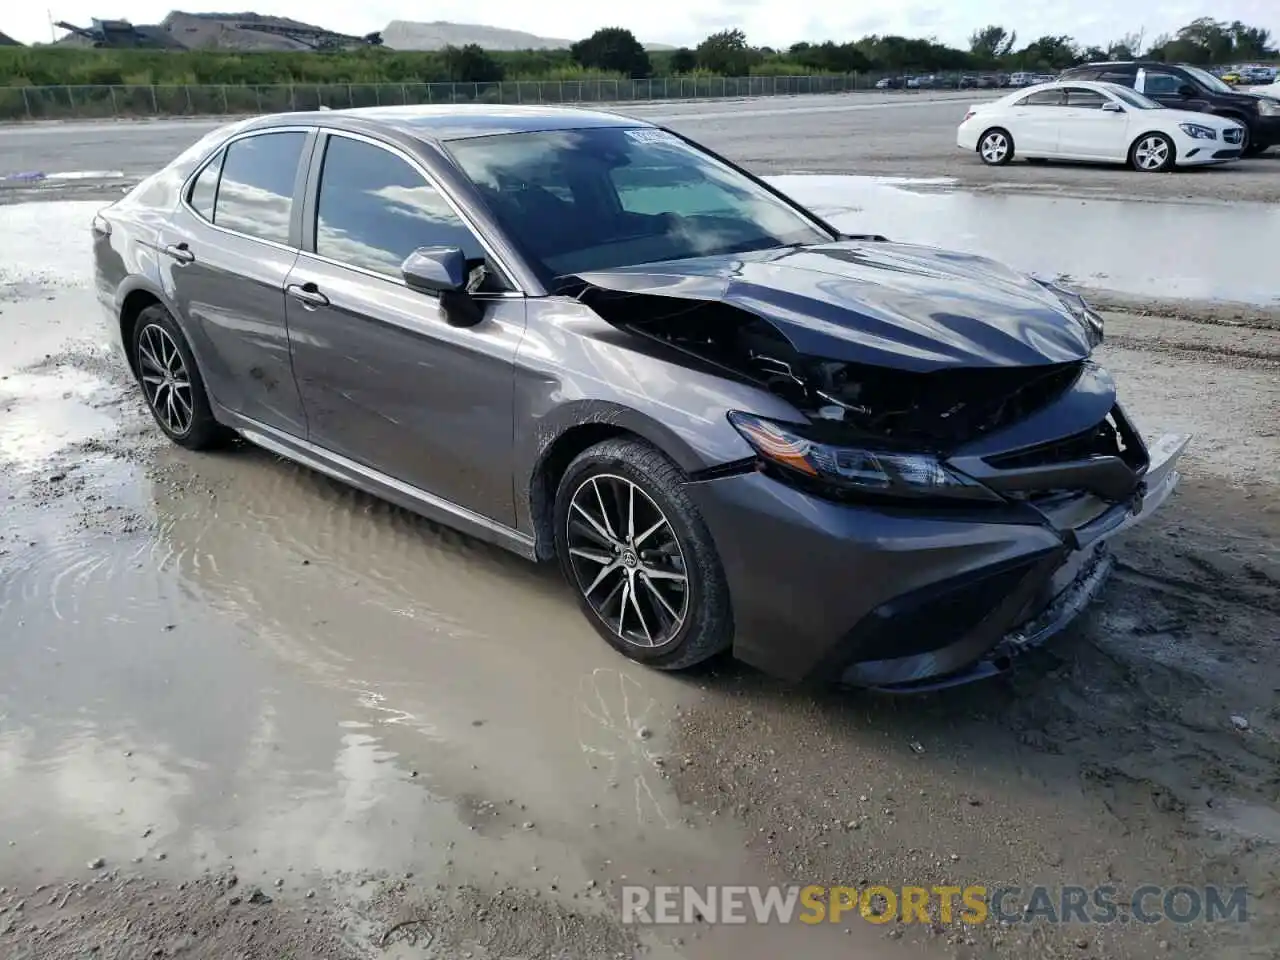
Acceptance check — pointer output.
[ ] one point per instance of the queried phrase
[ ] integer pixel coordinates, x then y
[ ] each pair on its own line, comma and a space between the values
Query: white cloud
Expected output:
678, 22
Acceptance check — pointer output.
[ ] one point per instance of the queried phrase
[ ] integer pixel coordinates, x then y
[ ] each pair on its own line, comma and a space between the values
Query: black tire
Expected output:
605, 471
198, 430
1152, 153
1000, 149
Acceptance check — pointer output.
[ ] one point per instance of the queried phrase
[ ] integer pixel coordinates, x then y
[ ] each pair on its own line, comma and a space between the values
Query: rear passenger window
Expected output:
1124, 79
205, 190
1044, 98
1081, 97
255, 194
375, 209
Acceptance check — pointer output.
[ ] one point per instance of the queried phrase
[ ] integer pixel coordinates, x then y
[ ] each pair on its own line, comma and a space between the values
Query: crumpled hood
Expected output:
888, 304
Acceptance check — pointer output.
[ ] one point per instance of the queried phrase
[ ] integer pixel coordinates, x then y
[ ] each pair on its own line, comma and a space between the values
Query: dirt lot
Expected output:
247, 712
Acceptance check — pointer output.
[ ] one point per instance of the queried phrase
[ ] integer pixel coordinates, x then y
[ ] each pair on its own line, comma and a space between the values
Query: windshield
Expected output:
1207, 79
593, 199
1133, 97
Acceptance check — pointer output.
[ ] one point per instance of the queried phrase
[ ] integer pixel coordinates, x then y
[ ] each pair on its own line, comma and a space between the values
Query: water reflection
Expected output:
1143, 249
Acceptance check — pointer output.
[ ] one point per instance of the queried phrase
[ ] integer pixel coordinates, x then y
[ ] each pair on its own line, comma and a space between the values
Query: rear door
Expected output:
386, 381
1035, 120
1087, 131
233, 243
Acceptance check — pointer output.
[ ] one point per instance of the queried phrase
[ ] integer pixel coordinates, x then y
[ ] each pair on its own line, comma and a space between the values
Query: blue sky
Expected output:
772, 22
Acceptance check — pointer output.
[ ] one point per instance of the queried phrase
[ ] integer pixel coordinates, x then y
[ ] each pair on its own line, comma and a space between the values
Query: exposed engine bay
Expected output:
845, 401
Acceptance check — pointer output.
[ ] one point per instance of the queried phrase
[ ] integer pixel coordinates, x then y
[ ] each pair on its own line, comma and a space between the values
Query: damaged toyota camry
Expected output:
589, 340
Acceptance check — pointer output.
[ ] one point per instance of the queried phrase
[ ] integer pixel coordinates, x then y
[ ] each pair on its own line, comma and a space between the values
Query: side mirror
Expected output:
435, 270
1112, 107
1186, 90
443, 271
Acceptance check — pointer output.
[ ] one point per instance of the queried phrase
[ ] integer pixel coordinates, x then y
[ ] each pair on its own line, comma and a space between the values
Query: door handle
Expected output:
179, 252
308, 294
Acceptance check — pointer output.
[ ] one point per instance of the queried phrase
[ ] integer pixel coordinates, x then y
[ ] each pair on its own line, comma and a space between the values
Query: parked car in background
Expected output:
889, 83
1099, 122
1257, 75
1181, 86
584, 338
1020, 79
1231, 78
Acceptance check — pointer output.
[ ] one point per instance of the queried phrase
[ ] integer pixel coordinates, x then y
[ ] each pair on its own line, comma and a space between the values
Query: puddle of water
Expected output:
1142, 249
62, 256
276, 669
47, 412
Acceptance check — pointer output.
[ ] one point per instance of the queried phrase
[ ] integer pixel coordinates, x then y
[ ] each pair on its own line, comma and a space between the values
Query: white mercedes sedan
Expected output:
1098, 122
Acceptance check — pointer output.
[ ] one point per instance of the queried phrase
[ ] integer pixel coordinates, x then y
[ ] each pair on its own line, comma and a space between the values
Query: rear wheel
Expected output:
1152, 153
639, 557
171, 382
995, 147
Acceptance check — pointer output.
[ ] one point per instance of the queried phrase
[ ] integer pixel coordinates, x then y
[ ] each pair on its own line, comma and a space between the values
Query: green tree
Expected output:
1207, 40
1128, 47
1250, 43
1049, 53
471, 64
726, 53
614, 49
683, 60
991, 44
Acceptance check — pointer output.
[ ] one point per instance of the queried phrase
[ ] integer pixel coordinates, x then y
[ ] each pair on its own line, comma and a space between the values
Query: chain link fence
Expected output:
52, 103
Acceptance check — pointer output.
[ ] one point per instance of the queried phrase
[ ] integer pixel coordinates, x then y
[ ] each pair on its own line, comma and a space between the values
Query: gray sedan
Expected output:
584, 338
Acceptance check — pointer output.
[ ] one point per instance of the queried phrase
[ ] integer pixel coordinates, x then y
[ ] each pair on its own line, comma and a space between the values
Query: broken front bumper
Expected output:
903, 600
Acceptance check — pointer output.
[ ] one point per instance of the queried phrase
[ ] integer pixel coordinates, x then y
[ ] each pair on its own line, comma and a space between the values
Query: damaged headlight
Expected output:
1081, 311
853, 469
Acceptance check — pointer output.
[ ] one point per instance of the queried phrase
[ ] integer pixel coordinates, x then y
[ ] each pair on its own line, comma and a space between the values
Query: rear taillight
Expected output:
101, 225
970, 114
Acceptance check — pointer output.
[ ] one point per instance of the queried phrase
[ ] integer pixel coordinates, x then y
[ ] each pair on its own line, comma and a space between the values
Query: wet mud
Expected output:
410, 744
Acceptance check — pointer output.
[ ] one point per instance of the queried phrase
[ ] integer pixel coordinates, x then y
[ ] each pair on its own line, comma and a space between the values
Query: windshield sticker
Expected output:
649, 135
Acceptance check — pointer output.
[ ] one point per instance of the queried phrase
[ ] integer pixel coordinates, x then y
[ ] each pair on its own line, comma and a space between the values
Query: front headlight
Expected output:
1198, 131
1081, 311
1269, 108
853, 470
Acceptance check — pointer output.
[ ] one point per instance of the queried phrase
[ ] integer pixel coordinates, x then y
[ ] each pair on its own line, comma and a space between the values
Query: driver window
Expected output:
374, 209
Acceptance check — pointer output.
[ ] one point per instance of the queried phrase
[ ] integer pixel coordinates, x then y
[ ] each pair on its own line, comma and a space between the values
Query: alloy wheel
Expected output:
995, 146
627, 561
165, 379
1151, 153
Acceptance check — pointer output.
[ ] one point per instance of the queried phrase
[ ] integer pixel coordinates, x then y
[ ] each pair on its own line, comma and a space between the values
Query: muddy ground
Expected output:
245, 711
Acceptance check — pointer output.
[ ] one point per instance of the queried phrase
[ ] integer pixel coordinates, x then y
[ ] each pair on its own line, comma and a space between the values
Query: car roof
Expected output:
457, 121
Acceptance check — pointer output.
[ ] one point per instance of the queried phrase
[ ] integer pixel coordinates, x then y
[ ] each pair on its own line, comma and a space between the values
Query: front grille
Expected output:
946, 408
1225, 154
1234, 135
1114, 436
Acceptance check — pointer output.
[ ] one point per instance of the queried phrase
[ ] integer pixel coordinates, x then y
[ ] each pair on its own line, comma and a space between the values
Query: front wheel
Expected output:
995, 147
1152, 153
639, 557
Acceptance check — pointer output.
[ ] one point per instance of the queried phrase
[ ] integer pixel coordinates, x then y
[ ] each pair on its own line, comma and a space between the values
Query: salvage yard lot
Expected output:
899, 135
219, 672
